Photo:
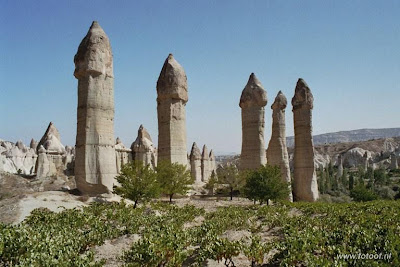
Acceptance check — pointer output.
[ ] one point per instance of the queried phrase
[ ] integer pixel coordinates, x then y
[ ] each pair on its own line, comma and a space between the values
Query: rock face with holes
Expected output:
143, 149
95, 167
172, 96
51, 154
305, 179
277, 151
195, 163
252, 103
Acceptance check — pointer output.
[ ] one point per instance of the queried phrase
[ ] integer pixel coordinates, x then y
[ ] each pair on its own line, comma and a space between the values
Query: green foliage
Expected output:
174, 178
137, 182
361, 193
265, 184
255, 250
229, 175
212, 182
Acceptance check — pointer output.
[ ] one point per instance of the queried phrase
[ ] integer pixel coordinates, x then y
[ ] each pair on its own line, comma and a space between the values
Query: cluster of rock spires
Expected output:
202, 164
252, 102
97, 158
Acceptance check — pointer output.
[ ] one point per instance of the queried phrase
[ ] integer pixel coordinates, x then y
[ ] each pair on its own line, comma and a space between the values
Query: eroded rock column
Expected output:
252, 103
195, 163
143, 149
95, 167
172, 96
205, 165
277, 151
305, 179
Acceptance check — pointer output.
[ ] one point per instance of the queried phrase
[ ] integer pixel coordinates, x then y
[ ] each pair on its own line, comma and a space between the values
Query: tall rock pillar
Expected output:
305, 178
277, 151
172, 96
95, 167
205, 165
195, 163
252, 103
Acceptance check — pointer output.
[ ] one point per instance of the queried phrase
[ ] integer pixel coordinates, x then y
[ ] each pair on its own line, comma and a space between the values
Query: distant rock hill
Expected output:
350, 136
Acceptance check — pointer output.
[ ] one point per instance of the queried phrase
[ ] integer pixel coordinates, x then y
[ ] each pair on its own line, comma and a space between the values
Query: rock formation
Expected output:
33, 144
305, 179
195, 163
365, 161
17, 158
123, 155
95, 167
393, 162
339, 173
172, 96
143, 149
52, 153
252, 103
277, 151
213, 164
205, 165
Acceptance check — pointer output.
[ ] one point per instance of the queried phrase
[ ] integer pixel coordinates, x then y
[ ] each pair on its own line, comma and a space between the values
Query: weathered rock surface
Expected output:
172, 96
195, 163
51, 153
393, 162
143, 148
305, 179
95, 167
277, 151
339, 173
213, 163
205, 165
17, 158
252, 103
123, 155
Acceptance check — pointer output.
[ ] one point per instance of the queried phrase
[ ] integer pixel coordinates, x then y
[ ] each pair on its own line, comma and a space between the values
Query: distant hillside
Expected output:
350, 136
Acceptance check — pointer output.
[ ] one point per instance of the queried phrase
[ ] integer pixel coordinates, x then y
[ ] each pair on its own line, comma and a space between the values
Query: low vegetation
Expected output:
287, 234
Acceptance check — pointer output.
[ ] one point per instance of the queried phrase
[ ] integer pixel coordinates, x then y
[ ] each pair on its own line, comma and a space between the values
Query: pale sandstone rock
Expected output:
195, 163
123, 154
213, 164
305, 178
205, 165
55, 153
277, 151
95, 167
15, 158
33, 144
43, 168
252, 103
339, 173
172, 96
143, 148
365, 161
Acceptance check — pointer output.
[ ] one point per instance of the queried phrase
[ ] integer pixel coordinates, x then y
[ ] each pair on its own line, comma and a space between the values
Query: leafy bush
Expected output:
137, 182
361, 193
174, 178
265, 184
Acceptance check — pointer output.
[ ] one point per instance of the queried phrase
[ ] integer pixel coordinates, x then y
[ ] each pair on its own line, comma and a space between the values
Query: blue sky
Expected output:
347, 51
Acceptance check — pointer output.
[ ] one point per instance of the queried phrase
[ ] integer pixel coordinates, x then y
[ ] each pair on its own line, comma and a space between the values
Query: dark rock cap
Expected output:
172, 82
94, 56
302, 96
280, 101
253, 94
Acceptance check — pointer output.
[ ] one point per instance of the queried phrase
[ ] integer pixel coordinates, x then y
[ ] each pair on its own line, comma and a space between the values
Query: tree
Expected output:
211, 182
137, 182
361, 193
266, 184
351, 181
230, 176
174, 178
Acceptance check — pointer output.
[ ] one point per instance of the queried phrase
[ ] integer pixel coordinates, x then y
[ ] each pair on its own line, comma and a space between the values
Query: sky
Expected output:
347, 51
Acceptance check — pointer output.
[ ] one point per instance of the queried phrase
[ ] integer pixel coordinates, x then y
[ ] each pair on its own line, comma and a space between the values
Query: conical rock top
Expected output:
94, 56
33, 144
205, 155
143, 133
212, 156
253, 94
143, 141
280, 101
302, 96
51, 140
172, 82
195, 153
